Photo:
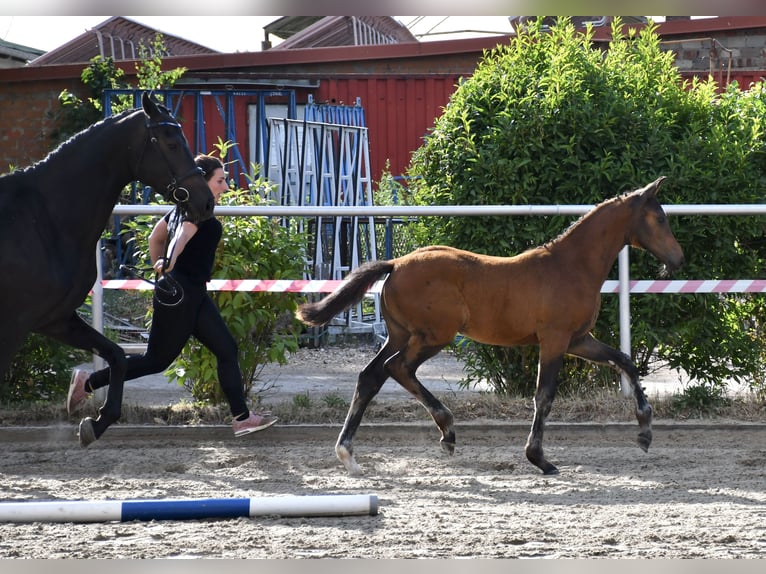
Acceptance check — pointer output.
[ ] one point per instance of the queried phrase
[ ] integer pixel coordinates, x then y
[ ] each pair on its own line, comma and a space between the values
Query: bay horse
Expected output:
52, 215
549, 296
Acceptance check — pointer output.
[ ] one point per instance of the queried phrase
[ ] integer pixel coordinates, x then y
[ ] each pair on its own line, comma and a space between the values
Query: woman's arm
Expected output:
157, 239
179, 241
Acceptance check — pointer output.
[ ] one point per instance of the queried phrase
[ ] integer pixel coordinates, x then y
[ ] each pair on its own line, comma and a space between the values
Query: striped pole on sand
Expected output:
187, 509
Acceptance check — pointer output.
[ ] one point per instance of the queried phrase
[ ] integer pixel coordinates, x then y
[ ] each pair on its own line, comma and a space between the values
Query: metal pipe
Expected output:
623, 270
441, 210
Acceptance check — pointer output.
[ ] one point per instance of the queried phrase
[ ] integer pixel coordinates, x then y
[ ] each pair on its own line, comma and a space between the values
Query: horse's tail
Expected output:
352, 290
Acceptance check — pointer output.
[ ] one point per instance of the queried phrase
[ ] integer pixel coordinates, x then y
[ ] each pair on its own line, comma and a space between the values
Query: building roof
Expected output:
288, 26
305, 63
579, 21
15, 55
318, 32
119, 38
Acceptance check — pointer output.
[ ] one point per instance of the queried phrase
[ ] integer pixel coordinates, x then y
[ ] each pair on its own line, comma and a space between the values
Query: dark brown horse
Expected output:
52, 215
549, 296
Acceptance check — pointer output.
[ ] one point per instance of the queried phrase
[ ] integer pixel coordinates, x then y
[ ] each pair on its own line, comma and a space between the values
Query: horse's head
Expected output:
650, 229
166, 163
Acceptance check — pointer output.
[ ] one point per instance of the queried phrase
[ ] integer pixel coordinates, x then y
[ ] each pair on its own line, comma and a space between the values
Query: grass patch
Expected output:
302, 400
334, 400
600, 407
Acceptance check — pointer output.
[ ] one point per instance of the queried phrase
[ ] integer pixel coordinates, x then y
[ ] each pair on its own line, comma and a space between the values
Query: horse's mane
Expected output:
606, 204
67, 144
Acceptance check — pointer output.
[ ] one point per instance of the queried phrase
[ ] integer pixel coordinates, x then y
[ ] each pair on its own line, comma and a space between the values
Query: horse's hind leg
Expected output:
592, 349
368, 385
402, 367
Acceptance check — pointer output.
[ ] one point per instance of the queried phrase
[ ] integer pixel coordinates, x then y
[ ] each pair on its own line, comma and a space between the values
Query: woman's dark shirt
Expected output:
196, 261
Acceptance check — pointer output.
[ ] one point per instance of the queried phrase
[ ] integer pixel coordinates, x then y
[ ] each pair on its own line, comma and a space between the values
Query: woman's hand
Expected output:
161, 266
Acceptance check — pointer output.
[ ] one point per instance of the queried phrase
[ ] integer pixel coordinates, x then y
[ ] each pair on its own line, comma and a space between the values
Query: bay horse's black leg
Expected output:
592, 349
368, 385
547, 372
77, 333
402, 368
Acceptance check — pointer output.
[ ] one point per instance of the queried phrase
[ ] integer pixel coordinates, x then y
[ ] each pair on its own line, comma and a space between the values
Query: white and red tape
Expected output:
328, 286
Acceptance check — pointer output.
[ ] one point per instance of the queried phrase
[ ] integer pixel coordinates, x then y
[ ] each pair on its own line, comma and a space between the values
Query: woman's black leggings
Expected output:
171, 328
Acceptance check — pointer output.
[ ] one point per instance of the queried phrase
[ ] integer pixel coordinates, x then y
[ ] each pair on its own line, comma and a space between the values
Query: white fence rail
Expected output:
623, 286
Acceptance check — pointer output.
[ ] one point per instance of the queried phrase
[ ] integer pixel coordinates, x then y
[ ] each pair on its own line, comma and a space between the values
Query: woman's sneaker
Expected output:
252, 423
77, 393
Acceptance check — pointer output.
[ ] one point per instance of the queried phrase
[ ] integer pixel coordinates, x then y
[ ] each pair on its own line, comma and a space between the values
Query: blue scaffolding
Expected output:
324, 160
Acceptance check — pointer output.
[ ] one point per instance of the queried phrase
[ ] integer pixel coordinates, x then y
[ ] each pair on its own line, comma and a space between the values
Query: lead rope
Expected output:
174, 292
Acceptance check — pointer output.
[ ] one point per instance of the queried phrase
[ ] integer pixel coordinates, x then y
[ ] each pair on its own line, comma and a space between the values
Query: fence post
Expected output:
623, 270
97, 304
97, 317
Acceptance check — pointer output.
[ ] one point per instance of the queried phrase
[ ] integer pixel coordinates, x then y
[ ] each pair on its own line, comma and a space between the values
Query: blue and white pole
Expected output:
187, 509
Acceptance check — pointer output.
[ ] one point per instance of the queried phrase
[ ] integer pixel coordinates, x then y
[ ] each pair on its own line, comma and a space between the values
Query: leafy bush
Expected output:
262, 323
551, 119
700, 400
396, 236
40, 370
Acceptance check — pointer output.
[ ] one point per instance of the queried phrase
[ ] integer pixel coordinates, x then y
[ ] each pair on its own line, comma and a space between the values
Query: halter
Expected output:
174, 291
179, 194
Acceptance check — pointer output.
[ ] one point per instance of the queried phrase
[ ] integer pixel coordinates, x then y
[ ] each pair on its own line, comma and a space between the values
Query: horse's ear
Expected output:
149, 105
651, 189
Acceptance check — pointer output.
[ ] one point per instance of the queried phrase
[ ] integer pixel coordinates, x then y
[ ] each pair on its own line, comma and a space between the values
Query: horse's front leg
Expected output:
368, 385
77, 333
591, 349
547, 373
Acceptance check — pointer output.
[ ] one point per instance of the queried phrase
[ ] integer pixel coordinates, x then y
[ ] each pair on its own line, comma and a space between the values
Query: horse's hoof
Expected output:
448, 447
354, 470
87, 433
349, 462
644, 440
550, 470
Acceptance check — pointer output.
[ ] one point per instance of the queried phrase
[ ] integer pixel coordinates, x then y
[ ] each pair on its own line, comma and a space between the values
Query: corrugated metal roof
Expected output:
343, 31
119, 38
15, 55
288, 26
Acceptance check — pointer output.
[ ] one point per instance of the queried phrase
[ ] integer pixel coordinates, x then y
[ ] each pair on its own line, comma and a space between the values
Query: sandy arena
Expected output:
698, 493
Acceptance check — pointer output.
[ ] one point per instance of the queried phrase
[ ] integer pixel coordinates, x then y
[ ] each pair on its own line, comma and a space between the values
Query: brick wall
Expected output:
27, 112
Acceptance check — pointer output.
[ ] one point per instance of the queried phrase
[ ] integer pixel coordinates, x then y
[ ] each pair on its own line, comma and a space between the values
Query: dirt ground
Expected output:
700, 491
